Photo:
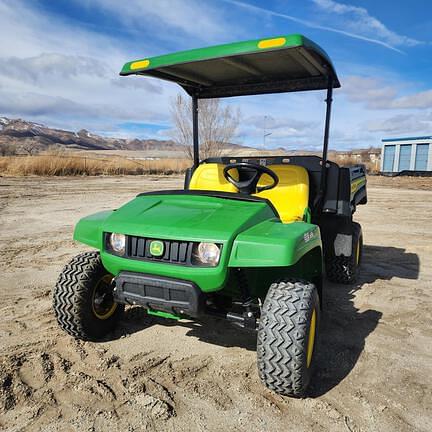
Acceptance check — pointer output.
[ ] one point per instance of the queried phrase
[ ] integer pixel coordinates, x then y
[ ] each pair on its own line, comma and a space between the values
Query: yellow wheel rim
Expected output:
311, 340
358, 252
101, 307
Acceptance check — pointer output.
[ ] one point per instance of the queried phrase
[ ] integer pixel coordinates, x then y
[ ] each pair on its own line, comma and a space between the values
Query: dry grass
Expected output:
371, 167
63, 165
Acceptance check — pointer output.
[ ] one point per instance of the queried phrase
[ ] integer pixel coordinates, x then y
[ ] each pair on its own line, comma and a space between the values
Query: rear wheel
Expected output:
345, 269
287, 337
83, 299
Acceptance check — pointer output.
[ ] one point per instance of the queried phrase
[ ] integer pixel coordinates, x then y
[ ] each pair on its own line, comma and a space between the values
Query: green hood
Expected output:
250, 233
186, 217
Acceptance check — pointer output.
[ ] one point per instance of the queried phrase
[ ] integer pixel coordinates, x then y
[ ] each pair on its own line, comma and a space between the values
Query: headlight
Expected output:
118, 243
208, 253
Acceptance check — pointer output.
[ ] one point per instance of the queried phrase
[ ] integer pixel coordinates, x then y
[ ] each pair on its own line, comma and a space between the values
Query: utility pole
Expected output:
265, 134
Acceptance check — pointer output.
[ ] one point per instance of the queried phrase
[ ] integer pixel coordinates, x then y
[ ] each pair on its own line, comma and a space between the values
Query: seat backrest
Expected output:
290, 197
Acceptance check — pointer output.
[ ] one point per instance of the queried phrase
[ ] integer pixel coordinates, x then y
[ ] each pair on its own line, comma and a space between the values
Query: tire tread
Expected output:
71, 296
283, 334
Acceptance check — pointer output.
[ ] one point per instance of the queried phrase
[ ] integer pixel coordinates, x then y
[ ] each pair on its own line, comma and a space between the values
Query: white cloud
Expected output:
272, 123
48, 66
357, 19
418, 124
28, 32
133, 82
39, 105
166, 17
362, 31
36, 105
63, 75
370, 91
417, 100
285, 132
376, 94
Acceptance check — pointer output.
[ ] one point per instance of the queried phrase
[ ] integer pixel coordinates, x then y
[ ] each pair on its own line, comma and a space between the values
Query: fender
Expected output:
274, 244
89, 230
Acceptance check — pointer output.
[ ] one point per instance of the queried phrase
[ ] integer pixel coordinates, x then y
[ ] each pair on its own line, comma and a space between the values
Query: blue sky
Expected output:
59, 64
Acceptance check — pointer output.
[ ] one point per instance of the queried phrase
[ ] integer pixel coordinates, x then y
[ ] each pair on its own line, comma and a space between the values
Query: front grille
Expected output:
175, 252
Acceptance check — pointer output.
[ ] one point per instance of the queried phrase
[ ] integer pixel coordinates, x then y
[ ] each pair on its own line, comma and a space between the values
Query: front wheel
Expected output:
287, 337
83, 299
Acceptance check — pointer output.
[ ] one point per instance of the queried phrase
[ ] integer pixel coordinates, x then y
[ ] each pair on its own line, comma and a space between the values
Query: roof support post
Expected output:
323, 181
329, 101
195, 131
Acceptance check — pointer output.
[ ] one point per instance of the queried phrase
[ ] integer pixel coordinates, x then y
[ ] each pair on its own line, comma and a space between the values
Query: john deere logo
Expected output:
156, 248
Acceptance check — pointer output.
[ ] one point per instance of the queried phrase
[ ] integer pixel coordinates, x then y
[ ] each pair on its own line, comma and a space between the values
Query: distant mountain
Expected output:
17, 135
25, 134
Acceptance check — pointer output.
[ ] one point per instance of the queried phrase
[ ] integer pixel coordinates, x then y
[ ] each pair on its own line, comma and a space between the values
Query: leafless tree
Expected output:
217, 125
7, 149
29, 146
365, 156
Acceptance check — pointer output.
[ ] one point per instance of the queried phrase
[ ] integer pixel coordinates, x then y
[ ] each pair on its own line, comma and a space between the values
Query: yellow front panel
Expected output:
209, 176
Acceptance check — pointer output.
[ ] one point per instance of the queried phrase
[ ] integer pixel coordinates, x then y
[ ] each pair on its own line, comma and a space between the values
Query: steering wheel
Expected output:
250, 185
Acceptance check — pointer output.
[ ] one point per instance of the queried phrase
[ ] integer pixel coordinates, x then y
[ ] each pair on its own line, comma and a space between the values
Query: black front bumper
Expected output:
159, 293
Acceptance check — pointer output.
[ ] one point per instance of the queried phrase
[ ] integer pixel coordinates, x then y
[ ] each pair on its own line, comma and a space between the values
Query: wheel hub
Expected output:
103, 304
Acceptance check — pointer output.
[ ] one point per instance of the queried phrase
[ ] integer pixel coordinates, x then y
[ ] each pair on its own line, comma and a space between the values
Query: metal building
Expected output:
406, 154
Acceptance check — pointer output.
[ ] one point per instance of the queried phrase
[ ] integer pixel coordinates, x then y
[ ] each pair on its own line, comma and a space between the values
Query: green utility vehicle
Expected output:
247, 239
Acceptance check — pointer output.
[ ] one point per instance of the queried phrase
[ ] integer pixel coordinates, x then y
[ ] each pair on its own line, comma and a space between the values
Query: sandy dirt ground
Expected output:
374, 364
